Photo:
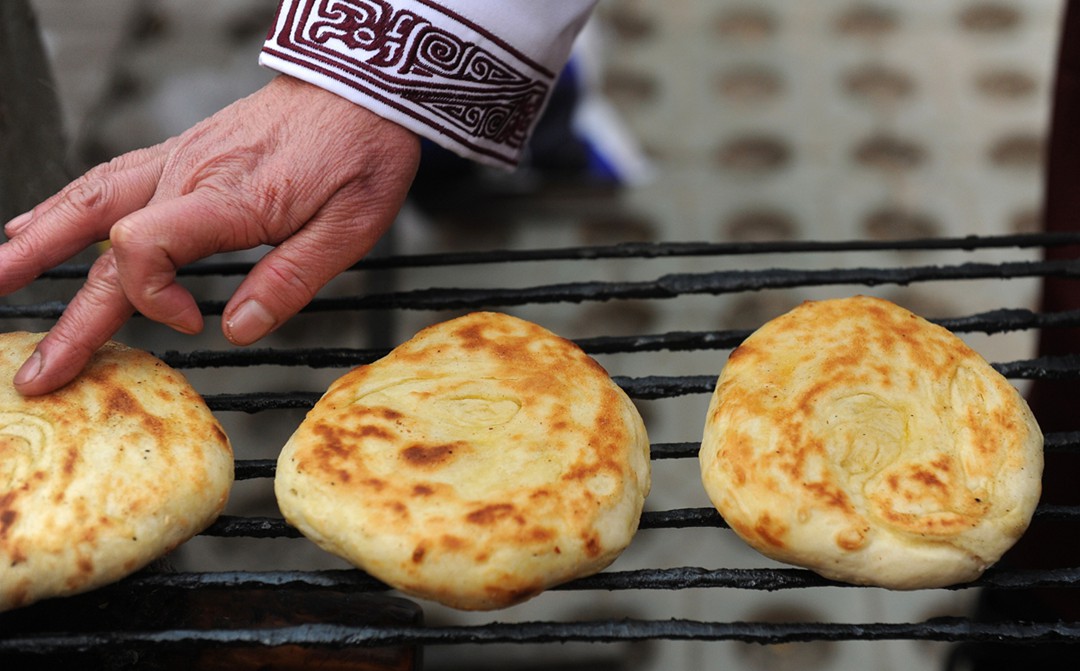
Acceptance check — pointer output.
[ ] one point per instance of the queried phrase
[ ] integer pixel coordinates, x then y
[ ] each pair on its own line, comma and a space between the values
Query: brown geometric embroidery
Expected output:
407, 56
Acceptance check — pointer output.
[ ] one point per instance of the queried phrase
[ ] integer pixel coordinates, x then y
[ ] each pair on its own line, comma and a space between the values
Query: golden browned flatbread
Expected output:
859, 440
105, 475
476, 465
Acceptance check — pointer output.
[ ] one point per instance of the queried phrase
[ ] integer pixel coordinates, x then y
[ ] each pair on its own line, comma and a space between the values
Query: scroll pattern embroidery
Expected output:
458, 81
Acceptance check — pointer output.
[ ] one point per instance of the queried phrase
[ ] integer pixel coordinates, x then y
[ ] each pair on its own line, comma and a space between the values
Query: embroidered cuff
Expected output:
417, 63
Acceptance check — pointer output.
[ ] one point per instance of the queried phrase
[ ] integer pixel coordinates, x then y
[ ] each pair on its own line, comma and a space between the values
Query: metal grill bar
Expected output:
676, 578
643, 250
679, 284
664, 287
596, 631
995, 321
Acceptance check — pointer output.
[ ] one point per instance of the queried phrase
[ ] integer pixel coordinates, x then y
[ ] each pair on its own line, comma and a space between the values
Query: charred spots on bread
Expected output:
508, 447
375, 484
927, 478
452, 543
431, 456
7, 517
330, 443
592, 545
771, 530
493, 513
71, 457
127, 438
830, 495
86, 566
852, 538
399, 509
121, 402
877, 446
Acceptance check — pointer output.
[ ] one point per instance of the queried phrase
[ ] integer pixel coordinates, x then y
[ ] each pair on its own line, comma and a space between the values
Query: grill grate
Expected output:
149, 586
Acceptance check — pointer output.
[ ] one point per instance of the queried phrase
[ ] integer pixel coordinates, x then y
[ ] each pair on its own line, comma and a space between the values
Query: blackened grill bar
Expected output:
642, 250
995, 321
597, 631
665, 287
678, 284
674, 578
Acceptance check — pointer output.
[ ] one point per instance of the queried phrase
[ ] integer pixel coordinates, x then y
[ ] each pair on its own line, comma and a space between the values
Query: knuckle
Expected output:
103, 170
88, 195
94, 186
263, 202
103, 272
226, 169
118, 163
131, 237
124, 270
99, 304
293, 287
223, 195
269, 202
71, 339
256, 216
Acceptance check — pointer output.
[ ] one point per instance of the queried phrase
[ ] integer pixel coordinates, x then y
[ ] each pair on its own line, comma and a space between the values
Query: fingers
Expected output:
81, 214
289, 276
86, 192
341, 232
151, 244
267, 169
96, 312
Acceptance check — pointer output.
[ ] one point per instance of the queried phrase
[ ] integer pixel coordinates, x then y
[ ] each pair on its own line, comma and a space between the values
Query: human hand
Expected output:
291, 165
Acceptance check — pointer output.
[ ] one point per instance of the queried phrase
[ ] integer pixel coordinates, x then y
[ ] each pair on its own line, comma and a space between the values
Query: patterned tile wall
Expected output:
838, 119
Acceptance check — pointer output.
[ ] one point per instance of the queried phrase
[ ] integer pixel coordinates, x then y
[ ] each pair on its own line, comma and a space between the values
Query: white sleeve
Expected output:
470, 75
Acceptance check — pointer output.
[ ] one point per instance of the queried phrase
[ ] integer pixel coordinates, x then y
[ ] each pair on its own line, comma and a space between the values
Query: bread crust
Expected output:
103, 476
859, 440
478, 464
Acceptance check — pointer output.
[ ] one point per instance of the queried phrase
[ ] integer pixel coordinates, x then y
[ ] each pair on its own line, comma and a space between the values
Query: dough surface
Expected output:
103, 476
859, 440
479, 463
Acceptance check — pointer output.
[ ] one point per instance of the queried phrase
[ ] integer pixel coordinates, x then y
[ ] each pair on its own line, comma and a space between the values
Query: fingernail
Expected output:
29, 370
250, 322
18, 223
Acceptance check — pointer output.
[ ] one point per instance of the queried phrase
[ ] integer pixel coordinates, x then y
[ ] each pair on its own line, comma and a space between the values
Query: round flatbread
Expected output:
476, 465
105, 475
859, 440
